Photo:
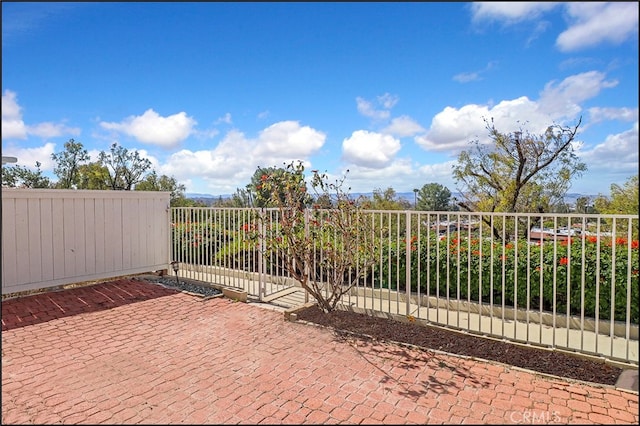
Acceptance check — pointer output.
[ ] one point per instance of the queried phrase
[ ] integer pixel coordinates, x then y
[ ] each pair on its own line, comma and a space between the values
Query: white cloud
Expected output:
559, 103
30, 18
438, 173
387, 100
13, 129
563, 99
453, 129
224, 119
400, 174
362, 178
206, 134
52, 130
10, 108
403, 126
13, 126
605, 114
237, 157
509, 12
288, 139
154, 129
367, 149
466, 77
618, 152
228, 158
27, 157
365, 108
368, 109
589, 23
594, 23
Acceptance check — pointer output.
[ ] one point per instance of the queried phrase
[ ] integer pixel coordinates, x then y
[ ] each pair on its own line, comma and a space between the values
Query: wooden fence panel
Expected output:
54, 237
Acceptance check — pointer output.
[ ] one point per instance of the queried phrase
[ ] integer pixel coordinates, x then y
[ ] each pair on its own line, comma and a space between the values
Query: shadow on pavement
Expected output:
42, 307
404, 359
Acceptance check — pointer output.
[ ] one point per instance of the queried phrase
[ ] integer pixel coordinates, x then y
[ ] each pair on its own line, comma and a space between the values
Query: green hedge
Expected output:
520, 273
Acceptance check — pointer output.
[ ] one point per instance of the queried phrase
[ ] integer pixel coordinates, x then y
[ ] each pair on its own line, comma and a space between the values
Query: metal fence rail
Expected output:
225, 245
563, 281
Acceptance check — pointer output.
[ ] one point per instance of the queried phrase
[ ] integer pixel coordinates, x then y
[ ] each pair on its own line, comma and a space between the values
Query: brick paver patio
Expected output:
129, 352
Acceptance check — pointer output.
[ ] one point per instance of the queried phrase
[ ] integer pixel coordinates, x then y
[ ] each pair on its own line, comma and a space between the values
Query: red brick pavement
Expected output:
131, 352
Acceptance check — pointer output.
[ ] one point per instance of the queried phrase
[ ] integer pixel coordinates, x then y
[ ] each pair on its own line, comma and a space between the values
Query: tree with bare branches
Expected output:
126, 168
519, 172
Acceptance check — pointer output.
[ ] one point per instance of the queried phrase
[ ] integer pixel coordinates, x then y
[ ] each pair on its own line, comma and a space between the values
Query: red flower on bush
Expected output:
247, 227
634, 244
564, 261
412, 242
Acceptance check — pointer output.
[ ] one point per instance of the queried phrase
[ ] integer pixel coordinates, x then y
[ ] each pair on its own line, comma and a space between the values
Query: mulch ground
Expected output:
428, 337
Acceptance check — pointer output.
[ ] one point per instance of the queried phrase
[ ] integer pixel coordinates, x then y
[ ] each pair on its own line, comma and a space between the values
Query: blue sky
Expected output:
390, 91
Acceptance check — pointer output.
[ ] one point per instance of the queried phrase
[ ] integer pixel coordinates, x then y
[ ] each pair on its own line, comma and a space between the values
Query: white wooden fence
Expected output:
53, 237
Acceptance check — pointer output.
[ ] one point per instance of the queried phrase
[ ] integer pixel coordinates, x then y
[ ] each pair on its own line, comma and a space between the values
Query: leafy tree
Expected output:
234, 201
242, 198
260, 194
519, 172
153, 182
93, 176
624, 199
22, 177
386, 200
68, 163
434, 197
582, 204
126, 168
325, 250
186, 202
562, 207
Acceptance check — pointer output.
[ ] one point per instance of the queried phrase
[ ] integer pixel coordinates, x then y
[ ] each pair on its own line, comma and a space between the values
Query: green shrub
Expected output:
520, 274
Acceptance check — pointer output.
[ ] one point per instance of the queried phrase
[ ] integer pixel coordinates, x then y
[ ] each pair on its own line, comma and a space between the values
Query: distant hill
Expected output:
570, 198
194, 195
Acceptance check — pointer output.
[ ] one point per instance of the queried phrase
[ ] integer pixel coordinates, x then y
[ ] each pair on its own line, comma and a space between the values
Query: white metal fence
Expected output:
54, 237
562, 281
223, 244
